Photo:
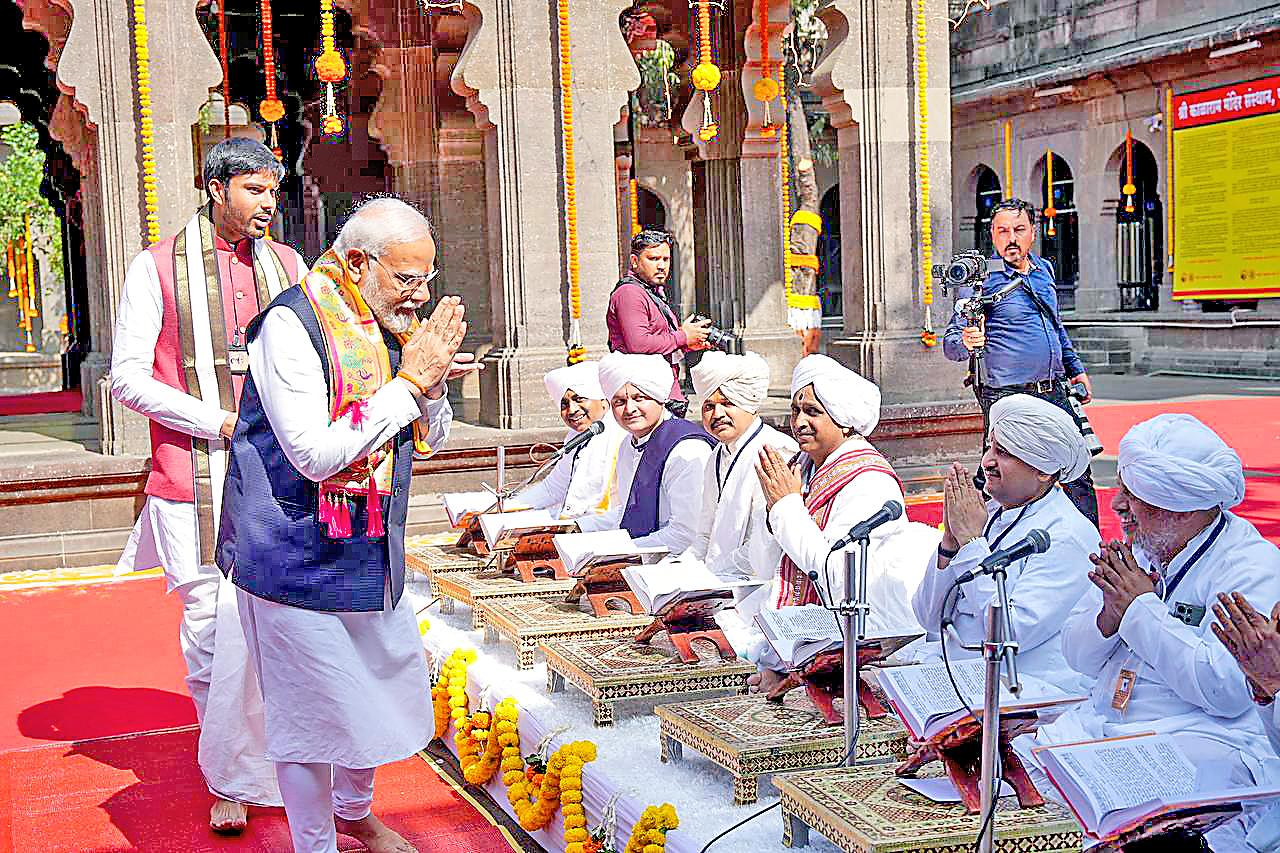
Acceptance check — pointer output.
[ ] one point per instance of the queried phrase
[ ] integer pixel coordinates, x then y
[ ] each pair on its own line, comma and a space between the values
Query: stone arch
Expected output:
1059, 238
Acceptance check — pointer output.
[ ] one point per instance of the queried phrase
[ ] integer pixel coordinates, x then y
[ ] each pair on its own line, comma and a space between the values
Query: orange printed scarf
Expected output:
359, 364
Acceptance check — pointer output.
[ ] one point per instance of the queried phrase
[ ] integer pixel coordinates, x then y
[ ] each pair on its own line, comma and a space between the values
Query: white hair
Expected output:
380, 223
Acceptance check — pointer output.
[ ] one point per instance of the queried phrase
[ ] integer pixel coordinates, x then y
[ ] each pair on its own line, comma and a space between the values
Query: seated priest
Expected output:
580, 481
662, 462
1033, 448
1254, 640
731, 536
836, 481
1142, 630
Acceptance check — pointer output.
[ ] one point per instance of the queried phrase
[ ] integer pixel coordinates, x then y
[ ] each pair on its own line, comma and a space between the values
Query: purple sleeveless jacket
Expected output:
641, 515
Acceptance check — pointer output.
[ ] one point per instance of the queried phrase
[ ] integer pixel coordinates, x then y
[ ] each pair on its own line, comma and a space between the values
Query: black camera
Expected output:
719, 338
966, 269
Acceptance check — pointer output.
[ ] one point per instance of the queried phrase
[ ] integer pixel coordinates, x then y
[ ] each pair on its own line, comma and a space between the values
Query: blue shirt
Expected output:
1023, 345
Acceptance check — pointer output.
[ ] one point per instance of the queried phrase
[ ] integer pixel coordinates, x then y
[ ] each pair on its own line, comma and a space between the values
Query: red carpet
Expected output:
40, 404
99, 666
141, 792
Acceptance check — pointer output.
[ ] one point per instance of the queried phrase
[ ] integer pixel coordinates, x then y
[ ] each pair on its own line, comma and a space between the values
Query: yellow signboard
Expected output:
1226, 168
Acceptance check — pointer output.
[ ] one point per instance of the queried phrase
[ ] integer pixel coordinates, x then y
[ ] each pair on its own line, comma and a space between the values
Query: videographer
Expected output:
640, 320
1026, 348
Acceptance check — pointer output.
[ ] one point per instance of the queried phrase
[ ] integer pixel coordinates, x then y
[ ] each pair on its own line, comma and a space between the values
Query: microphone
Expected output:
890, 511
579, 440
1035, 542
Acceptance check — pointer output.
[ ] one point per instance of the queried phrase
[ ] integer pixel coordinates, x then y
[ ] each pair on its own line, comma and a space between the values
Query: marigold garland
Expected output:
766, 88
649, 835
331, 68
561, 786
576, 351
705, 76
142, 61
449, 695
927, 336
271, 108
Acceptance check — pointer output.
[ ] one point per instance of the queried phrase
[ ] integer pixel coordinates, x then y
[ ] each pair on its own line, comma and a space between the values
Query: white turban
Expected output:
1041, 435
1177, 463
651, 374
742, 379
581, 378
850, 400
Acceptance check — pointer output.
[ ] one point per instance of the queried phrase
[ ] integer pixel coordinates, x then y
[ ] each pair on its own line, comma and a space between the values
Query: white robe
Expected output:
582, 481
679, 494
1042, 588
1187, 682
732, 533
1265, 836
348, 688
897, 555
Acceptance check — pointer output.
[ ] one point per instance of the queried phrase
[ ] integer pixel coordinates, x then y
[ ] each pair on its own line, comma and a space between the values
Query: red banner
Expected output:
1240, 100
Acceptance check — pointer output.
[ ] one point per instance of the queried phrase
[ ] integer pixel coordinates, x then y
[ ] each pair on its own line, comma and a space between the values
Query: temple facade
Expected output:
460, 109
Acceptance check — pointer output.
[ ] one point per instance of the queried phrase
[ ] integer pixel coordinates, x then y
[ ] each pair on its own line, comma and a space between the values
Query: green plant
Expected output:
656, 80
21, 174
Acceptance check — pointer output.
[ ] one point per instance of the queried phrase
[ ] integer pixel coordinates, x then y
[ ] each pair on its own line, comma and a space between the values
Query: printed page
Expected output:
657, 585
1118, 774
806, 622
459, 504
577, 550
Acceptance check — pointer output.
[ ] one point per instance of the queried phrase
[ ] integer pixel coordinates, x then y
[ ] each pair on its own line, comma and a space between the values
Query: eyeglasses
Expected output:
410, 282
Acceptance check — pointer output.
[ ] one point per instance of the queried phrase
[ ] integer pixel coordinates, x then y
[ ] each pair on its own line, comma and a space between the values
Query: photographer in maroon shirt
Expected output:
641, 320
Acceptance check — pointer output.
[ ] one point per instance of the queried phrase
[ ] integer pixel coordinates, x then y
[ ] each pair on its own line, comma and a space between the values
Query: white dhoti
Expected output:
228, 704
344, 688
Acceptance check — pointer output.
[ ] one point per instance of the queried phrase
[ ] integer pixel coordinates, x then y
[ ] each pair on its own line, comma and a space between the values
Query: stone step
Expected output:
1090, 342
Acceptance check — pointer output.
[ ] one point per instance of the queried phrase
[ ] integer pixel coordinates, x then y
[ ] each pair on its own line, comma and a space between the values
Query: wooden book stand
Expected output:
823, 681
606, 590
960, 750
689, 621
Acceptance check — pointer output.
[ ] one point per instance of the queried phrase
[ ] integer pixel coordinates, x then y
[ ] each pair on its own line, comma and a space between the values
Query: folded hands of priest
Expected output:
1254, 641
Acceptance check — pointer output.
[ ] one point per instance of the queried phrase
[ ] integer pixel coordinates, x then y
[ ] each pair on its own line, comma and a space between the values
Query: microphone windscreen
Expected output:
894, 509
1039, 540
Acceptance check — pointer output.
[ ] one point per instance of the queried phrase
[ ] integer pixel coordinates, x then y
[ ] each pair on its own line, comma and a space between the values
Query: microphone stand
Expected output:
1000, 646
853, 617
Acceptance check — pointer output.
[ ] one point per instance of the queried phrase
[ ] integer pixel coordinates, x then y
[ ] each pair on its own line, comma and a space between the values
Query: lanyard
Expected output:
719, 482
1204, 546
991, 521
573, 460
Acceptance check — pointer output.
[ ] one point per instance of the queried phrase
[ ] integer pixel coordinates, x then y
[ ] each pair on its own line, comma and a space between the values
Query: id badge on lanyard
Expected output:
238, 353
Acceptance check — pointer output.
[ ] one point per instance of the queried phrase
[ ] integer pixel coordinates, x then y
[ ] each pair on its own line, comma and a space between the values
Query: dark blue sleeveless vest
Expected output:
269, 541
640, 518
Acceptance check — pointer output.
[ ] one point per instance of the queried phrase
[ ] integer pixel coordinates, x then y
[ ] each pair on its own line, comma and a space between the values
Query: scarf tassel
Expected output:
335, 514
374, 526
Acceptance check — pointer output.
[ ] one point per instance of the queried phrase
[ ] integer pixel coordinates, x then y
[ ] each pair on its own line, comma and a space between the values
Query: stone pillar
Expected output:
97, 69
867, 80
509, 73
662, 169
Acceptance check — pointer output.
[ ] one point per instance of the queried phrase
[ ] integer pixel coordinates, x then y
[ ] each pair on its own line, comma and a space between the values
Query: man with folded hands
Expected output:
1033, 448
1144, 629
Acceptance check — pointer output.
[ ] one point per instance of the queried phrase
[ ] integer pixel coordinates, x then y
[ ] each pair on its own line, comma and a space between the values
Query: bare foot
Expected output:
375, 835
228, 817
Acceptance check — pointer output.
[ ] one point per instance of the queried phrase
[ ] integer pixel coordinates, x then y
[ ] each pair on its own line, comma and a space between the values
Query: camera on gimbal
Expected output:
719, 338
966, 269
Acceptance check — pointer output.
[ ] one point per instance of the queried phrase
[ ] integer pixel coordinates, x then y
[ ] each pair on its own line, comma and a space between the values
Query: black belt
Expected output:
1044, 386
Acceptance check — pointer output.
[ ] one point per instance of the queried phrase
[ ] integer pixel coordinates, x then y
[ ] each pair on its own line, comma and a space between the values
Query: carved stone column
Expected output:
96, 68
867, 80
509, 73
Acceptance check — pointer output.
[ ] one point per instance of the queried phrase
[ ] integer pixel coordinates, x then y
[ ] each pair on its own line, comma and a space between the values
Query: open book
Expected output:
926, 701
800, 634
669, 583
461, 506
1117, 785
580, 551
502, 529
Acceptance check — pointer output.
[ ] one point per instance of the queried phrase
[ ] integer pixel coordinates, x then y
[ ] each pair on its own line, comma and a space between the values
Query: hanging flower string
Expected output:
635, 207
649, 835
226, 70
1049, 211
784, 151
1128, 189
766, 89
142, 61
331, 69
705, 76
272, 108
927, 335
577, 352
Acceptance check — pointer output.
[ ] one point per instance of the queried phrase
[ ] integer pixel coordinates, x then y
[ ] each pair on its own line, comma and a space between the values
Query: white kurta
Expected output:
1265, 835
348, 688
732, 534
1042, 588
897, 554
1187, 681
679, 494
582, 481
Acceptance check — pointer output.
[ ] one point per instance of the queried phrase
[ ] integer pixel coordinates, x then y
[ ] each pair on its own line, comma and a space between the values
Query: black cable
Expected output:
773, 806
947, 621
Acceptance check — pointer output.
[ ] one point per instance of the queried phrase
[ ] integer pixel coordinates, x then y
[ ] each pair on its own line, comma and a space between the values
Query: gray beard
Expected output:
384, 311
